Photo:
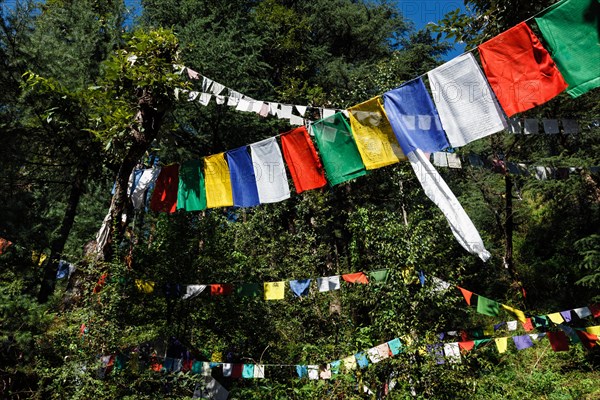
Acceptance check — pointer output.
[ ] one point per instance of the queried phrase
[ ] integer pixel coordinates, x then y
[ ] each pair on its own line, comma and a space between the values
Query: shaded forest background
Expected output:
75, 113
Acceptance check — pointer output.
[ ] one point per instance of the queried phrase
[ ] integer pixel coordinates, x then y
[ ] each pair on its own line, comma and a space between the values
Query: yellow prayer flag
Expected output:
501, 344
373, 133
144, 286
488, 331
594, 330
274, 290
216, 357
556, 318
217, 181
517, 313
349, 363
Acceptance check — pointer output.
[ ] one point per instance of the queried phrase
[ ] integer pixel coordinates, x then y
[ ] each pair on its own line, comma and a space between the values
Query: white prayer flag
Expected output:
227, 369
439, 285
328, 283
452, 352
232, 101
438, 191
206, 84
192, 291
243, 105
259, 371
440, 159
285, 112
313, 372
512, 325
453, 160
269, 171
220, 99
328, 112
217, 88
301, 110
204, 98
193, 95
148, 177
465, 103
582, 312
296, 120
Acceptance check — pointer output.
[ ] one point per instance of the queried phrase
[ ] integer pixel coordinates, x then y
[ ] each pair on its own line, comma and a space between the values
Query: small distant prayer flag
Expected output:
248, 289
466, 346
556, 318
395, 346
302, 371
274, 290
522, 342
527, 325
501, 344
300, 287
361, 360
452, 352
357, 277
248, 371
328, 283
379, 276
220, 289
349, 363
587, 339
466, 294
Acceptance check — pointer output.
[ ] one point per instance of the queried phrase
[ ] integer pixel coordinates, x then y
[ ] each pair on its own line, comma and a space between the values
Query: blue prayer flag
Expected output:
362, 360
414, 119
300, 287
301, 370
248, 371
243, 182
395, 346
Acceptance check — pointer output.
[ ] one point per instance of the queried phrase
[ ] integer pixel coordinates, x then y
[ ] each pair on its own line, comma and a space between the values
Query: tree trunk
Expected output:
58, 243
144, 131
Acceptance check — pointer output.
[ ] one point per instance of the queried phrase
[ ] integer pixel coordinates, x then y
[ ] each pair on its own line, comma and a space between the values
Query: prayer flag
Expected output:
540, 321
517, 313
274, 290
361, 359
594, 330
466, 106
243, 181
437, 350
335, 367
512, 325
595, 310
414, 119
248, 289
192, 291
452, 352
520, 70
147, 179
438, 191
236, 373
466, 346
218, 183
220, 289
527, 325
337, 149
487, 307
191, 195
395, 346
357, 277
582, 312
300, 287
227, 369
269, 171
302, 160
501, 344
479, 342
466, 294
588, 340
302, 371
248, 371
556, 318
566, 315
373, 134
325, 372
570, 28
313, 372
349, 363
4, 244
373, 355
379, 276
328, 283
259, 371
522, 342
558, 341
164, 197
145, 286
439, 285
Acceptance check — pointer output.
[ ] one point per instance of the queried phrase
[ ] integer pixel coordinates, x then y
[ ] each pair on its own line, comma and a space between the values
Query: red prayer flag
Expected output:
467, 294
164, 197
558, 341
221, 289
302, 160
100, 284
520, 70
464, 336
466, 346
595, 310
236, 371
357, 277
588, 340
4, 244
527, 325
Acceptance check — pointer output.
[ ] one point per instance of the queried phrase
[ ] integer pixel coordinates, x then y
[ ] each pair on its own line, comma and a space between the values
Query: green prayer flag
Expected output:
477, 333
480, 342
337, 149
570, 27
379, 276
248, 289
196, 367
487, 307
191, 195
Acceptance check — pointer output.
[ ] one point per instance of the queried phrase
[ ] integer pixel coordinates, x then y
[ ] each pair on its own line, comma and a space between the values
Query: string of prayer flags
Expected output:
243, 180
570, 27
340, 156
328, 283
520, 70
269, 171
302, 160
438, 191
191, 195
218, 182
464, 101
487, 306
164, 197
146, 180
373, 134
414, 119
274, 290
356, 277
300, 287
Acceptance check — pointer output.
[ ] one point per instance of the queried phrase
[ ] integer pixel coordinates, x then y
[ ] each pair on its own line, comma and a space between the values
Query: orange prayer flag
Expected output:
357, 277
527, 325
467, 294
466, 346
